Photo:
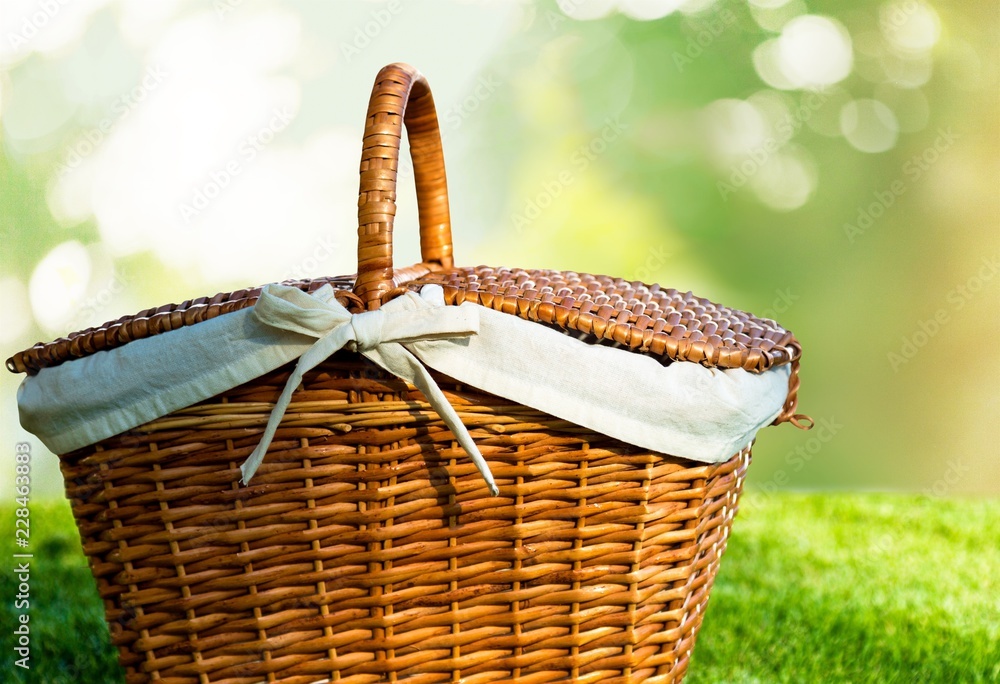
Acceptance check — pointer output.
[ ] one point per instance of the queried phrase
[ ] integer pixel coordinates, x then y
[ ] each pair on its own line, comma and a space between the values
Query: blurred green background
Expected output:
829, 164
832, 165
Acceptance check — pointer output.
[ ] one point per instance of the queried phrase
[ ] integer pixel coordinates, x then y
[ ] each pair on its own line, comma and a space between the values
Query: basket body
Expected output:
367, 548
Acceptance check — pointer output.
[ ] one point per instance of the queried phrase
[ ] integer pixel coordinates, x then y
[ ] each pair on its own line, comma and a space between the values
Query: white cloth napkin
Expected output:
683, 409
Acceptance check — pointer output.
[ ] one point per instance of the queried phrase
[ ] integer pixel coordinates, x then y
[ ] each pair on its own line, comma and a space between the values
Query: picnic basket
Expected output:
368, 548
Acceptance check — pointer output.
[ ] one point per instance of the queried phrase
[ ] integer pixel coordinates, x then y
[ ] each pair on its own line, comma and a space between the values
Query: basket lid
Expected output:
641, 318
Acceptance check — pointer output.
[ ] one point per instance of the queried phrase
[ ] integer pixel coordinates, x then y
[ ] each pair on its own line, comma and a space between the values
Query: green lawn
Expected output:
855, 588
814, 588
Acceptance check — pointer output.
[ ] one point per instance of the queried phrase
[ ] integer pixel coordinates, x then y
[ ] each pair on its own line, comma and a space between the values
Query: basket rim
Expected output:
664, 323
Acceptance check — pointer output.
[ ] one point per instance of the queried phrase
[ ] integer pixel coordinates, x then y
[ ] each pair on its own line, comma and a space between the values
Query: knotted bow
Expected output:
379, 335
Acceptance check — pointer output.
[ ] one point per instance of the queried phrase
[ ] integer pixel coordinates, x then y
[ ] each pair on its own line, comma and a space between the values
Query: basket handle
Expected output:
400, 96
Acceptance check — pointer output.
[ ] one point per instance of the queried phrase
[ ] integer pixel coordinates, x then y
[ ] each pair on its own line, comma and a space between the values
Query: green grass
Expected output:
814, 588
855, 588
69, 638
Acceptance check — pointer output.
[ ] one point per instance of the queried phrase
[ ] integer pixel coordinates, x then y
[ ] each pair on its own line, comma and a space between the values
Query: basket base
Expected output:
367, 548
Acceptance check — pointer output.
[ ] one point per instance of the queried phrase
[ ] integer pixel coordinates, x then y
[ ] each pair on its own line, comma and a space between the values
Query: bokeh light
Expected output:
58, 284
640, 10
814, 51
646, 10
584, 10
736, 127
786, 180
772, 15
910, 25
869, 125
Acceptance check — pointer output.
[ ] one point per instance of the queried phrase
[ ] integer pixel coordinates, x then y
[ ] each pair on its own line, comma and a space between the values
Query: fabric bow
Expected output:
379, 335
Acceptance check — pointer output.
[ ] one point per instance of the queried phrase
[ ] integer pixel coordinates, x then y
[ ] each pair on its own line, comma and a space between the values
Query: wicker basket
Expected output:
367, 548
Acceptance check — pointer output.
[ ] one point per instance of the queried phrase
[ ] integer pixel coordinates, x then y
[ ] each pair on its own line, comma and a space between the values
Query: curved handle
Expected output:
400, 95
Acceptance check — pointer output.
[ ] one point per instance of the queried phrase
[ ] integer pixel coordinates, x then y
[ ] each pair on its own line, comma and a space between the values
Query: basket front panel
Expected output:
368, 549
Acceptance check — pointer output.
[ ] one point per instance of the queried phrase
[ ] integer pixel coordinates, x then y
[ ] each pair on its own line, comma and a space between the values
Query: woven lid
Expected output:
664, 323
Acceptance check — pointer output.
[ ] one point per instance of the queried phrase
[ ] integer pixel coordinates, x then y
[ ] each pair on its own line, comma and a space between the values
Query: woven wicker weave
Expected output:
367, 548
